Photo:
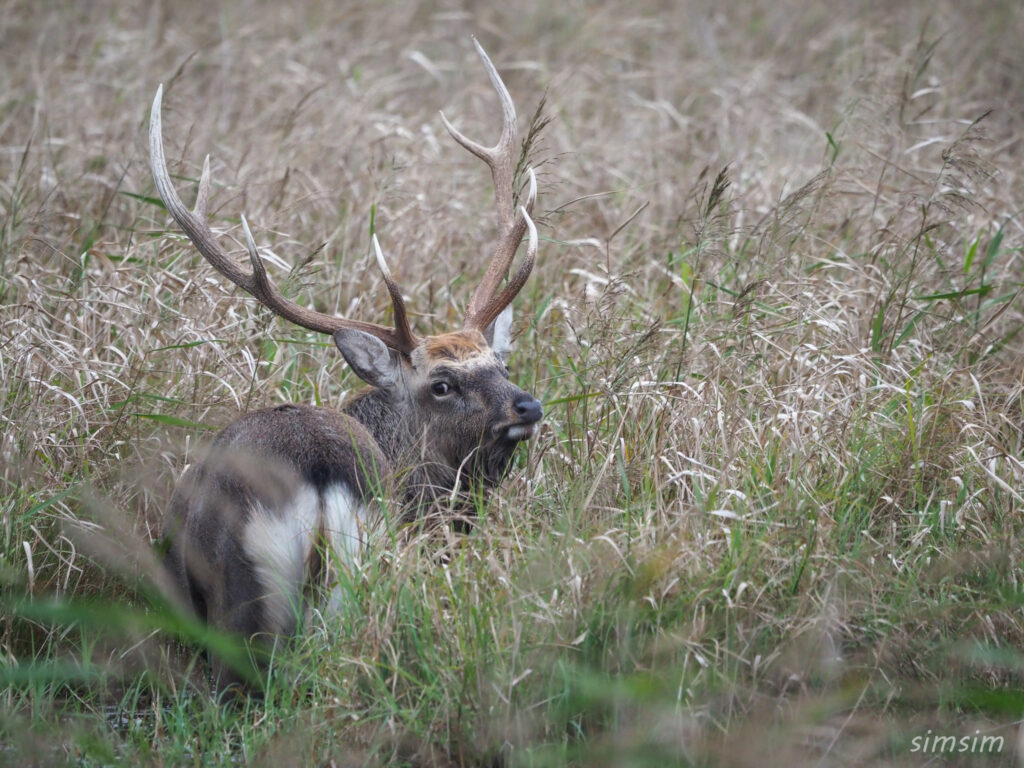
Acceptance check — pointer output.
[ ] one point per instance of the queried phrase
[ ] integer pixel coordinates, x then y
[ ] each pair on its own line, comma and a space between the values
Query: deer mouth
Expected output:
518, 432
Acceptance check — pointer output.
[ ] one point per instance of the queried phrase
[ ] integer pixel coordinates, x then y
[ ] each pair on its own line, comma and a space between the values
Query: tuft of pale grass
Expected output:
775, 322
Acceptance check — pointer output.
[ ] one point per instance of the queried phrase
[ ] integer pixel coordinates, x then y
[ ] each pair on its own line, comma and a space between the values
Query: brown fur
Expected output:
455, 347
403, 440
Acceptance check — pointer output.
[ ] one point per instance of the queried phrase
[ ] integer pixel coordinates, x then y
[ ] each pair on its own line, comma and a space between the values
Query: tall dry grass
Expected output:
775, 322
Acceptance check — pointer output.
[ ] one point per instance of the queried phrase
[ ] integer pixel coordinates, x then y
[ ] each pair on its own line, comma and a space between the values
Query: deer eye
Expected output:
440, 388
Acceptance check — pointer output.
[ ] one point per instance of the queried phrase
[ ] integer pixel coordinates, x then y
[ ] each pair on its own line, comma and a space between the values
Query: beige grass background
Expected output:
790, 408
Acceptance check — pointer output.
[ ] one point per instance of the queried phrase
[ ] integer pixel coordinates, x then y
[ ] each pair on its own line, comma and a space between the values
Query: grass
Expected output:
775, 507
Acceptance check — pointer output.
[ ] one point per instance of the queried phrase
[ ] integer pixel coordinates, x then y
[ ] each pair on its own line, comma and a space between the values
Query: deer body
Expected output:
286, 495
245, 524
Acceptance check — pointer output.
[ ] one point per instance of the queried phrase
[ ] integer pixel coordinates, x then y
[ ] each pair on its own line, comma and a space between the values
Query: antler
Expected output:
399, 338
487, 302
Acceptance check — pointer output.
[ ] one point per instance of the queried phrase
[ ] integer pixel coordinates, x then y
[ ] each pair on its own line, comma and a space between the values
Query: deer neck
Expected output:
384, 418
423, 480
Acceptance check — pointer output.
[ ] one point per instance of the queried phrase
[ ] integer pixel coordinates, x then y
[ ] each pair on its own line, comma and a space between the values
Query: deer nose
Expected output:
528, 408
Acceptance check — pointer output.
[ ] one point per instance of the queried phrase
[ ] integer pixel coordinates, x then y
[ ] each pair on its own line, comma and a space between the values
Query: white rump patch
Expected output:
344, 523
345, 528
278, 544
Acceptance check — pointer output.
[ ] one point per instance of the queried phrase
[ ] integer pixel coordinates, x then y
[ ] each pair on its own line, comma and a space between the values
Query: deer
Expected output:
253, 527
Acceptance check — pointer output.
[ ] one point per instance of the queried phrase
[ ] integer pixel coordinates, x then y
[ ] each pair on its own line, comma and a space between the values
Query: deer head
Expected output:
441, 406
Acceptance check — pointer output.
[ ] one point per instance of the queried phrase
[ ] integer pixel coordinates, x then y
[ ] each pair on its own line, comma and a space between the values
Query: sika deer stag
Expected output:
283, 493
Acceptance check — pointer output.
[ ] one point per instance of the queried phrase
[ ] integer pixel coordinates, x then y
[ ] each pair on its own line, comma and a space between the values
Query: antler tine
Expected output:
487, 303
510, 291
397, 300
257, 283
501, 159
194, 224
203, 195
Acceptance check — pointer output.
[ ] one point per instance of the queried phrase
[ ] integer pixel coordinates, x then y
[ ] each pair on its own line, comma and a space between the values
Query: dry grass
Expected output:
776, 502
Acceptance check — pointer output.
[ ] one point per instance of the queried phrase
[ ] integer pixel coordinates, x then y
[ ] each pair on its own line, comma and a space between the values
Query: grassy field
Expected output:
774, 513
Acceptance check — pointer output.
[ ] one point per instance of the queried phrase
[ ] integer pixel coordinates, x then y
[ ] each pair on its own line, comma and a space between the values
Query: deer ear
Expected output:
369, 357
499, 333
